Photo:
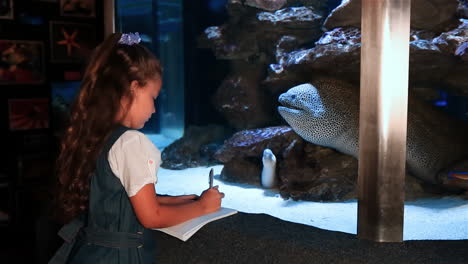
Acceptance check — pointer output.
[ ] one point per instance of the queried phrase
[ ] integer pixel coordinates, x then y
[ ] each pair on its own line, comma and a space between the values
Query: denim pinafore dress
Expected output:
110, 231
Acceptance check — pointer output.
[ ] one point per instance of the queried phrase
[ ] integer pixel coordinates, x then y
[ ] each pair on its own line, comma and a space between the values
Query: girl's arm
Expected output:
181, 199
153, 214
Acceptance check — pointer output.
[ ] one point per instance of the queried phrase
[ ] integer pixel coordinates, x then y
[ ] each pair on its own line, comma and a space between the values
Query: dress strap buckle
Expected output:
68, 232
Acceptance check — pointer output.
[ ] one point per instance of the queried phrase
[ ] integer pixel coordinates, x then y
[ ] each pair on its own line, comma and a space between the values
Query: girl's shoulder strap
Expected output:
115, 134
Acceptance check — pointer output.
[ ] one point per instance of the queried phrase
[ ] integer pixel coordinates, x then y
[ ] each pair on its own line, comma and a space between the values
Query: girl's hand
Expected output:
211, 199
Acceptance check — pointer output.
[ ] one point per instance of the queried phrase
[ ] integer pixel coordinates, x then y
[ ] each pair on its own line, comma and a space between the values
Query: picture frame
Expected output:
34, 167
71, 42
78, 8
28, 114
33, 142
6, 9
21, 62
63, 95
27, 19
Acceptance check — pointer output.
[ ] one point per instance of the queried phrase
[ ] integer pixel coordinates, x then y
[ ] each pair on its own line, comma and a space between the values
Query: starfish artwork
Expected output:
69, 40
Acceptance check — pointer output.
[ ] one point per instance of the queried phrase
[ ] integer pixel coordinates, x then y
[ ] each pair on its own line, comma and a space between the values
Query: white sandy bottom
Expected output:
445, 218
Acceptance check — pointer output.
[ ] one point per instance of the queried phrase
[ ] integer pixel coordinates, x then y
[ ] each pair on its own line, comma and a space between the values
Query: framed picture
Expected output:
63, 95
71, 42
21, 62
34, 166
33, 142
28, 114
6, 9
79, 8
29, 19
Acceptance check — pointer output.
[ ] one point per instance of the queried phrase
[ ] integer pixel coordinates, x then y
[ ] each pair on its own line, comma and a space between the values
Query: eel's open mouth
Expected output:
284, 104
290, 110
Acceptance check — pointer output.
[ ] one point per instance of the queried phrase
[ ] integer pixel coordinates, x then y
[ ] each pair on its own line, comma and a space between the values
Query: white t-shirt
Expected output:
135, 160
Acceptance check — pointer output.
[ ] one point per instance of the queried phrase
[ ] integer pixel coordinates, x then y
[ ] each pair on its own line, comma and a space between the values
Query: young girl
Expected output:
107, 169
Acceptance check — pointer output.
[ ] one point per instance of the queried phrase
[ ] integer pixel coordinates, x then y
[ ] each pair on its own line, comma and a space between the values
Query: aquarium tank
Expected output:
262, 88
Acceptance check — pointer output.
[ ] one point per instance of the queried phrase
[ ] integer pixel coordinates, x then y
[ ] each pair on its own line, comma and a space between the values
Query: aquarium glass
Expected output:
160, 26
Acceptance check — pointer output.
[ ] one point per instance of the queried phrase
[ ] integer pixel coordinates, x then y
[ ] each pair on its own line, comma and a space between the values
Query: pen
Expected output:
210, 178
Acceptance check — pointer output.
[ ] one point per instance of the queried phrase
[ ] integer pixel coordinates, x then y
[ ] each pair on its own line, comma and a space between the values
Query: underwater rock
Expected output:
270, 5
251, 143
427, 62
241, 100
425, 14
243, 37
347, 14
292, 17
457, 80
242, 7
301, 23
242, 170
314, 173
462, 10
321, 6
279, 77
436, 59
196, 148
435, 141
305, 171
239, 13
302, 167
338, 53
242, 153
285, 45
347, 36
229, 44
462, 51
455, 41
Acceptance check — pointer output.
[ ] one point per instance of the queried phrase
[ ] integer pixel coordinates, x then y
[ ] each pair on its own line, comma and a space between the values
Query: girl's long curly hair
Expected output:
111, 69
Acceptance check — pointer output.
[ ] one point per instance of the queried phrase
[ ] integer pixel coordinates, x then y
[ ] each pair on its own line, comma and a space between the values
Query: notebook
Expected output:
185, 230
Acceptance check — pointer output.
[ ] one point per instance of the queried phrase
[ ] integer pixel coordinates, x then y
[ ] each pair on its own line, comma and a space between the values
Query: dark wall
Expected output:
32, 22
29, 144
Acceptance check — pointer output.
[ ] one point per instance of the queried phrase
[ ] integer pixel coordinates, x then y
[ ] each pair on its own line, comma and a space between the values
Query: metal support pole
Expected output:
385, 29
